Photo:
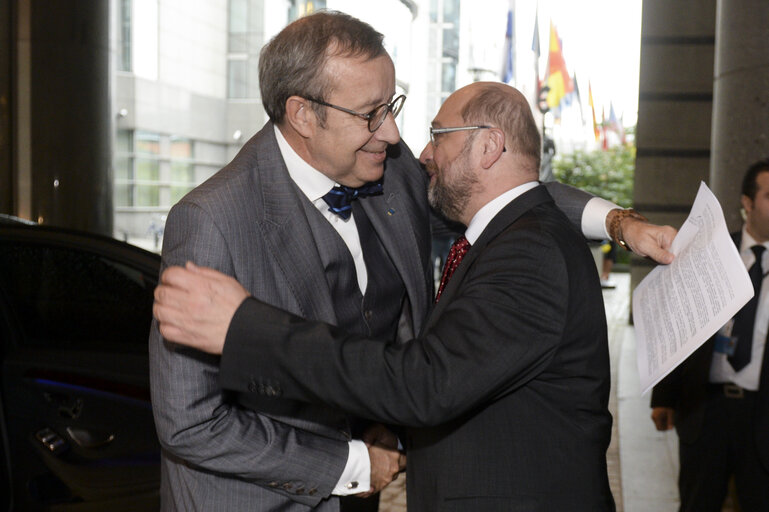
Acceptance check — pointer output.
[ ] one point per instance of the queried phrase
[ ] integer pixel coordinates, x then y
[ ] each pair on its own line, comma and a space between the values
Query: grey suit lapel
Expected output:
508, 215
287, 232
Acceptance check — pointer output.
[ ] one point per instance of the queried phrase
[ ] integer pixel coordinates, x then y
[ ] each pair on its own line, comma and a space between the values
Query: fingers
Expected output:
658, 253
662, 418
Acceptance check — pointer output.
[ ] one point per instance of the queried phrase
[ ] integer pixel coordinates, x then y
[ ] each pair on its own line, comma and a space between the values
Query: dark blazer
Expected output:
225, 451
685, 390
505, 392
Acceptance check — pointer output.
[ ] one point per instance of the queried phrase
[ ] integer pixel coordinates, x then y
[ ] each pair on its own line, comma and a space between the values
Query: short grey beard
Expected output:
450, 199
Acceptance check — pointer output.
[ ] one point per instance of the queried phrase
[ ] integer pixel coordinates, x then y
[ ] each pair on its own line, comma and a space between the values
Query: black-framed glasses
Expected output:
376, 117
438, 131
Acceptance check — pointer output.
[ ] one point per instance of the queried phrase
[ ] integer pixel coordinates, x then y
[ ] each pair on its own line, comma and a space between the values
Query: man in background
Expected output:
718, 399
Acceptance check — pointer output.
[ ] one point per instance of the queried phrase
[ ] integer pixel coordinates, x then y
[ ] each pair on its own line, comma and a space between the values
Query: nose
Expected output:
388, 132
427, 153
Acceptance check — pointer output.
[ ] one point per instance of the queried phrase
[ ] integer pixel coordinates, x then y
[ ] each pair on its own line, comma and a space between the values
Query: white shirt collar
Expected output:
482, 218
748, 242
311, 181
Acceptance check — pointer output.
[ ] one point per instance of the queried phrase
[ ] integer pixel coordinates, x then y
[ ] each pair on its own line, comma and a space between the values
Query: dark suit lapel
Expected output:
393, 223
507, 216
287, 232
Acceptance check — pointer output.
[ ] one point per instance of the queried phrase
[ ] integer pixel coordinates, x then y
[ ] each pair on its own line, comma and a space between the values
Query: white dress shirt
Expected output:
356, 477
490, 210
750, 375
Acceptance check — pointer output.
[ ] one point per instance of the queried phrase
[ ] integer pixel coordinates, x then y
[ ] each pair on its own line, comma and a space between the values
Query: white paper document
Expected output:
677, 307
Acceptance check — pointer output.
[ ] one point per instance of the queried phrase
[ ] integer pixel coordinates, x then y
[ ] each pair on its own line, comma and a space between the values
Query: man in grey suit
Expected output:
267, 219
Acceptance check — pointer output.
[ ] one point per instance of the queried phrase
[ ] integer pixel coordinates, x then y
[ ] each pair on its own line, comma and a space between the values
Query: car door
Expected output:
75, 312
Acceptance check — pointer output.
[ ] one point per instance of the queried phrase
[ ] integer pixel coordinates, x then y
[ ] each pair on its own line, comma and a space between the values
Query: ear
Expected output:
747, 203
493, 146
300, 116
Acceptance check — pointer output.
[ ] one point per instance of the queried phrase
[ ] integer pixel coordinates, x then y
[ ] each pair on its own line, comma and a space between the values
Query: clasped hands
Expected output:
387, 462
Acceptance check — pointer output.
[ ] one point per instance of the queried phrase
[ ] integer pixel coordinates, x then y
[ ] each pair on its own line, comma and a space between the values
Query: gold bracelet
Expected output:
615, 226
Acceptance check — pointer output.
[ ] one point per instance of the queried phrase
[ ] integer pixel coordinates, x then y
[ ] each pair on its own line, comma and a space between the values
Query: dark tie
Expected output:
745, 318
339, 199
458, 250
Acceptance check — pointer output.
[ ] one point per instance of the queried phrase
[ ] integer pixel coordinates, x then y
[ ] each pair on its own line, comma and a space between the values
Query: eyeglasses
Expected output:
377, 116
438, 131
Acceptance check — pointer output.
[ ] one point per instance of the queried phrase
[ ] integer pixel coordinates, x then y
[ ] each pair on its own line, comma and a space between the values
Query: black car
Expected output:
75, 415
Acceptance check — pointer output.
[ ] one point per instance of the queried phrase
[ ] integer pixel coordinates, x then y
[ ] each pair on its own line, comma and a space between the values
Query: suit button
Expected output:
313, 491
252, 386
273, 484
287, 486
299, 490
271, 391
368, 315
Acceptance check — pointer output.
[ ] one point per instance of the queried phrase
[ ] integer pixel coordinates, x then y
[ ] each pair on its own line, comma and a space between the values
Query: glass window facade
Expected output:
152, 170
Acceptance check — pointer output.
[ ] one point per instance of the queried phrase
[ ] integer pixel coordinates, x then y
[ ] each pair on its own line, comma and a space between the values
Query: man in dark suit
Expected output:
718, 399
505, 391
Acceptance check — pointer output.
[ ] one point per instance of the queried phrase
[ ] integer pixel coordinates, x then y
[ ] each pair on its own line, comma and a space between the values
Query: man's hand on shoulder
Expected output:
195, 305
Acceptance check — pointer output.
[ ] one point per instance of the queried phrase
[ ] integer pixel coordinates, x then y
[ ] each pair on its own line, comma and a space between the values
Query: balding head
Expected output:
505, 107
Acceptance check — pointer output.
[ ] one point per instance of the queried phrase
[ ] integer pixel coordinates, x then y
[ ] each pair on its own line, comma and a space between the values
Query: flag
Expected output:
507, 72
535, 39
605, 143
592, 108
614, 124
535, 49
558, 78
578, 97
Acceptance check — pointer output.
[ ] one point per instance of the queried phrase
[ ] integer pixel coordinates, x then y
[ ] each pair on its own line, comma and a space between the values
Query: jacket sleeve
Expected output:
479, 350
202, 424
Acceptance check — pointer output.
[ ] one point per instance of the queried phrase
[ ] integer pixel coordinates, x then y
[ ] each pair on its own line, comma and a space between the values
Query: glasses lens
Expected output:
380, 113
397, 105
377, 117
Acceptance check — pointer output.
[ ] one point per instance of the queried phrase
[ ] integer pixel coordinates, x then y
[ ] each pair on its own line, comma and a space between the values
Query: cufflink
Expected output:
351, 485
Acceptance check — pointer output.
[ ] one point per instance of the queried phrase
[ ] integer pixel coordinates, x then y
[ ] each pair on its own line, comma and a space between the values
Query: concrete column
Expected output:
674, 111
740, 129
65, 142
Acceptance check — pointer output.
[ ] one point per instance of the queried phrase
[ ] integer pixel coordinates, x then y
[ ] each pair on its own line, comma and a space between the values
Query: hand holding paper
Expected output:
677, 307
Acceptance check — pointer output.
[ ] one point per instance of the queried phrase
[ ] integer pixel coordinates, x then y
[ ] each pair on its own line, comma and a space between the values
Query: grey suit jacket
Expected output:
240, 451
248, 221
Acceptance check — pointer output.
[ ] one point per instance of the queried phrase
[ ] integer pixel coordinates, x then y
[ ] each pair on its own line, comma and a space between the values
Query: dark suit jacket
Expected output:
225, 451
685, 390
506, 390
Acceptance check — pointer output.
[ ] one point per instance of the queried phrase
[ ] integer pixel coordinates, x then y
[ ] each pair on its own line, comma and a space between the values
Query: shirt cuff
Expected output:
356, 477
594, 218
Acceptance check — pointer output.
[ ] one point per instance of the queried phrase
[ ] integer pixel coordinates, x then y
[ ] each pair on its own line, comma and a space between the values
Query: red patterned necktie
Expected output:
458, 250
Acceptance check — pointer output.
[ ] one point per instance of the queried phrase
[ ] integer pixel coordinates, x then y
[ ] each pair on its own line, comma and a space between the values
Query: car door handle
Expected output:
89, 439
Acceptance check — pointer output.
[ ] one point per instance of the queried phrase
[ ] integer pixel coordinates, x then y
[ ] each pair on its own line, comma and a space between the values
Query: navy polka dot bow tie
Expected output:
339, 199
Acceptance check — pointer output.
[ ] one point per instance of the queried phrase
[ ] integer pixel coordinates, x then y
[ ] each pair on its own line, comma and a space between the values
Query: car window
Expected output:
75, 299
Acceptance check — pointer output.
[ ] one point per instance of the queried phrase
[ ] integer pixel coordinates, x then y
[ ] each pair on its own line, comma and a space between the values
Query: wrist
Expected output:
615, 222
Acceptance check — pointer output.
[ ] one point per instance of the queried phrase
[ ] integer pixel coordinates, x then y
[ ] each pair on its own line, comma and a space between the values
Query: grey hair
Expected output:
293, 62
